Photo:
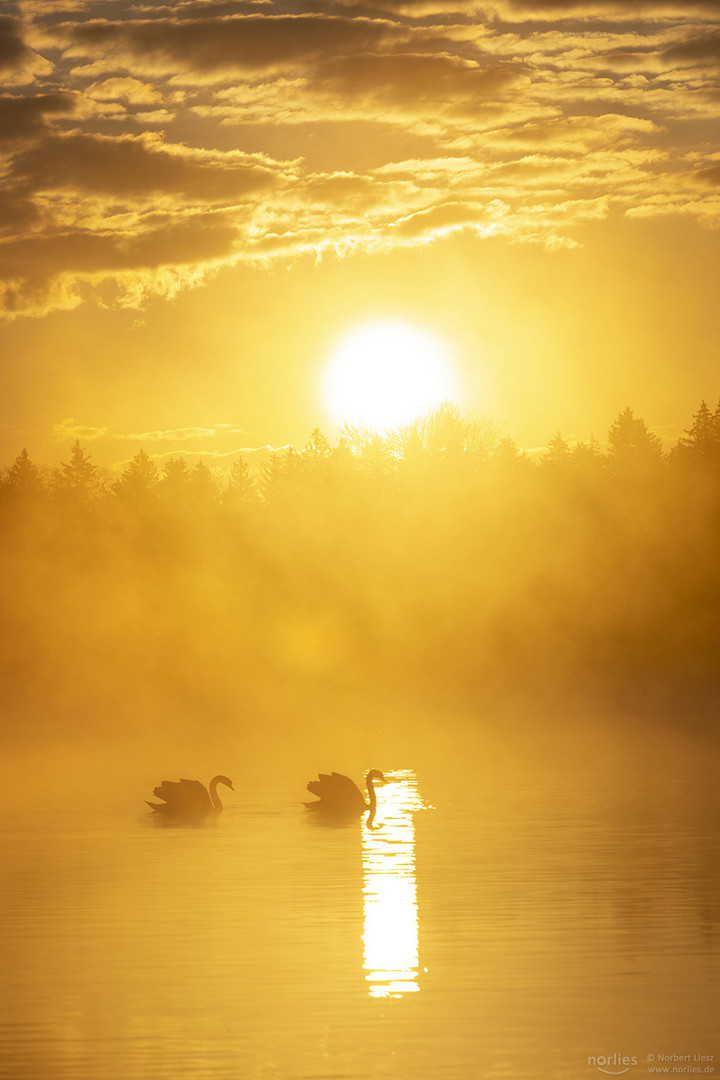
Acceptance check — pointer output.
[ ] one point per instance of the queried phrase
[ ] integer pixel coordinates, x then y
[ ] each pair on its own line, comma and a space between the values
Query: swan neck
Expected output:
214, 797
371, 792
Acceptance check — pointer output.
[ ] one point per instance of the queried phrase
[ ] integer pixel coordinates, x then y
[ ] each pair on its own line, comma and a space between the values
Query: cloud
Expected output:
617, 8
70, 428
214, 47
710, 175
138, 167
216, 455
79, 207
18, 63
435, 92
219, 441
695, 50
415, 81
183, 434
42, 272
220, 456
13, 50
18, 212
520, 11
447, 217
578, 134
343, 190
524, 118
127, 89
26, 117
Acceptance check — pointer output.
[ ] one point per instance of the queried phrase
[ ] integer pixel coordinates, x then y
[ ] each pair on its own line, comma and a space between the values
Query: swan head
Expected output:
225, 780
376, 776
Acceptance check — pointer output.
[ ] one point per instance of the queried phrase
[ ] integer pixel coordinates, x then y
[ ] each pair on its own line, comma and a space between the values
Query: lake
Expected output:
551, 927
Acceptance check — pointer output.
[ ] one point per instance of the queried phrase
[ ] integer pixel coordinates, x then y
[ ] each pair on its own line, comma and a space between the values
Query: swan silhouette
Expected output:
189, 798
340, 796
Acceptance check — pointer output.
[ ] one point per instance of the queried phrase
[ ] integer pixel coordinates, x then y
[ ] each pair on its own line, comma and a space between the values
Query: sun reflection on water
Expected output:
390, 930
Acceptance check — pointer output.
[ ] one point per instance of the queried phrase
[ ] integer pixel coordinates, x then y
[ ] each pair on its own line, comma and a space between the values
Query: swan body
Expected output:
189, 798
339, 795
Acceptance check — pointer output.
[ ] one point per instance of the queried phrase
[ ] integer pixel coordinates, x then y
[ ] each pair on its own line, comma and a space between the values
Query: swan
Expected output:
339, 795
189, 798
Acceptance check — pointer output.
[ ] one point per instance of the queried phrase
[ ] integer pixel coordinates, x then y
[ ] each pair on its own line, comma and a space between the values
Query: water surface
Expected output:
533, 930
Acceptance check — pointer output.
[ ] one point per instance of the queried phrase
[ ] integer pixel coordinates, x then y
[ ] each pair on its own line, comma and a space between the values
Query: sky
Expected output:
199, 199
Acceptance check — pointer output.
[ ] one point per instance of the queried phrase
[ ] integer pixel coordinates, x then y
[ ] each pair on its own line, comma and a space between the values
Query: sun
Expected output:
384, 374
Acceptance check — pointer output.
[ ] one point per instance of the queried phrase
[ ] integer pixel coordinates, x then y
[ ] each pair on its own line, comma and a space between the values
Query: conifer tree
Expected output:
23, 476
702, 441
139, 481
77, 479
630, 445
241, 483
557, 451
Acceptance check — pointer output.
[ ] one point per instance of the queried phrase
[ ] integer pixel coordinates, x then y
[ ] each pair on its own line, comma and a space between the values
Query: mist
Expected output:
429, 595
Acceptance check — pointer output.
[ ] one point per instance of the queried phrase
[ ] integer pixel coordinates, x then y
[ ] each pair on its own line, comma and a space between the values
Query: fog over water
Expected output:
528, 654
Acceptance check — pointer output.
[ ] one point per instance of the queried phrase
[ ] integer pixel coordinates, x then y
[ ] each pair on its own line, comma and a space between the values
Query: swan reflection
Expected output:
390, 931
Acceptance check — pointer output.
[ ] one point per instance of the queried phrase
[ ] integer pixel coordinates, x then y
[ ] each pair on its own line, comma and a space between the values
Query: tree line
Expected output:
446, 436
438, 563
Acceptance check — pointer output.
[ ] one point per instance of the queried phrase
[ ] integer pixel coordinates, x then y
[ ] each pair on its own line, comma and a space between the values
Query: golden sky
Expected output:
200, 198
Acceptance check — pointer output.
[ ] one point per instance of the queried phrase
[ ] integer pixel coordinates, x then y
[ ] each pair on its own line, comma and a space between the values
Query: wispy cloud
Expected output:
73, 429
